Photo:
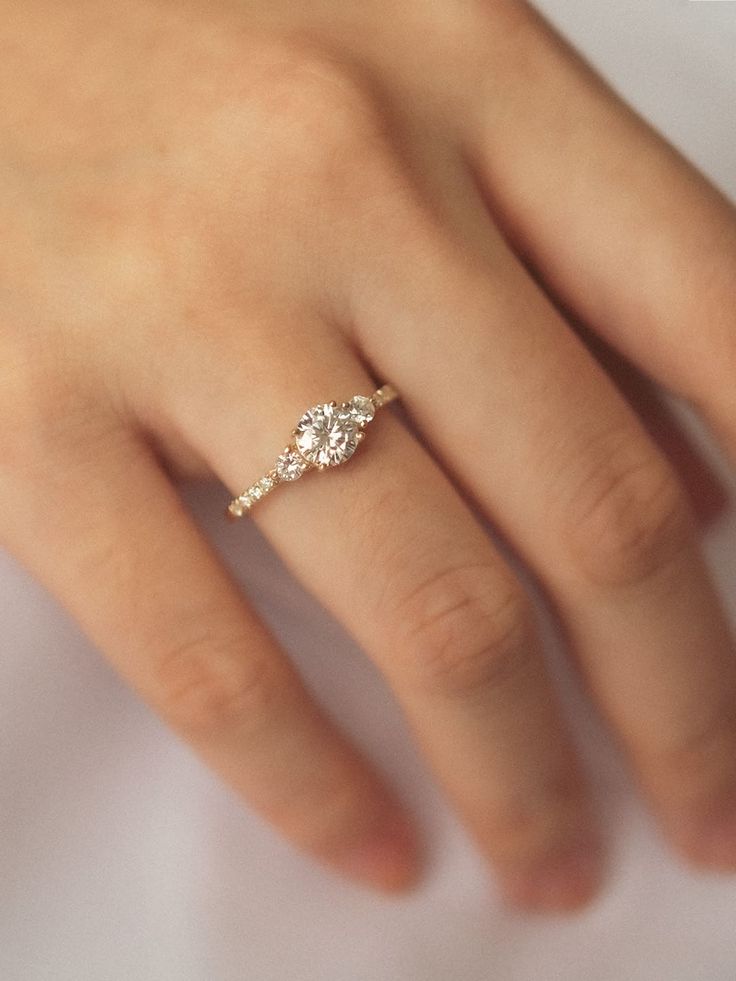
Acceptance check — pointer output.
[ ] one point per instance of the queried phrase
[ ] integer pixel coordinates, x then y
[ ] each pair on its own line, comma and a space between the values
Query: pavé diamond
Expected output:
362, 409
290, 466
327, 435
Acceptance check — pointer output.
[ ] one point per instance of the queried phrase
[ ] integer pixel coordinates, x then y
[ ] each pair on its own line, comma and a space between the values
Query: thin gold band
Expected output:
327, 435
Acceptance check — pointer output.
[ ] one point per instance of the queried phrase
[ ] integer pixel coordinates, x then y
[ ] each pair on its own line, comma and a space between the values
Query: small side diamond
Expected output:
255, 492
290, 465
362, 409
240, 505
236, 508
384, 395
266, 484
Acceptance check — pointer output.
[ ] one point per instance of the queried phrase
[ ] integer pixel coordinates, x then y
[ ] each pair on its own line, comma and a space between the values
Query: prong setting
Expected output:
326, 436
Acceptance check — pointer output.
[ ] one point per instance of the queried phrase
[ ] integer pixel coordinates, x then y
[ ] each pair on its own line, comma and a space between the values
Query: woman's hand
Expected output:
216, 215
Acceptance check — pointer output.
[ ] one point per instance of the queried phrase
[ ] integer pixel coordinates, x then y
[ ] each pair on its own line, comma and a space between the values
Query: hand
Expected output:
217, 215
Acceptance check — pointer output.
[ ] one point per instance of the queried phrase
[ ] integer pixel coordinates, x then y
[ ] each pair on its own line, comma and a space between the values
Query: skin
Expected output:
218, 214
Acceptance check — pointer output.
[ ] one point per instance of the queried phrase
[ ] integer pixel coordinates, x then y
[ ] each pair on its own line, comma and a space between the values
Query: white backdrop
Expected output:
122, 859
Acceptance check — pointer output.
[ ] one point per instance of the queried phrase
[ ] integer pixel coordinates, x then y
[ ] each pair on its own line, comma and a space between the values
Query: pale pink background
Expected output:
122, 858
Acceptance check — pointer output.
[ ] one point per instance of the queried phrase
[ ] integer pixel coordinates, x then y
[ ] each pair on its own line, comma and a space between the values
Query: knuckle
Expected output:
317, 103
464, 630
629, 518
313, 114
204, 686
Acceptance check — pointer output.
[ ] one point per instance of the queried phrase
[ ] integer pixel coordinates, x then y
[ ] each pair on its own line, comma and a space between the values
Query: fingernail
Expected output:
565, 881
388, 861
714, 842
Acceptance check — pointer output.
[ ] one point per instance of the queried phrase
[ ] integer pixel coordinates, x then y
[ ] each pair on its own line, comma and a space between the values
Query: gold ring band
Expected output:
327, 435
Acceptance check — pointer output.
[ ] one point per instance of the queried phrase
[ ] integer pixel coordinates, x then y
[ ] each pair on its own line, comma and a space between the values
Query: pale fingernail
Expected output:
389, 861
564, 881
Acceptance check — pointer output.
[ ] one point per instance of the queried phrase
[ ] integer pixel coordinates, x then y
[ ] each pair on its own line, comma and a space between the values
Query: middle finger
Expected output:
538, 433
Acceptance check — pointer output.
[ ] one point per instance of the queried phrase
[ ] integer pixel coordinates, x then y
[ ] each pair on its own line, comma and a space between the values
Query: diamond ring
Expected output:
327, 435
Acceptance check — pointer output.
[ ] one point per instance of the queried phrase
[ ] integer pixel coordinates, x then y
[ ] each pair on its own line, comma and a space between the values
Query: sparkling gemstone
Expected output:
236, 508
327, 435
362, 409
255, 492
384, 395
265, 483
290, 466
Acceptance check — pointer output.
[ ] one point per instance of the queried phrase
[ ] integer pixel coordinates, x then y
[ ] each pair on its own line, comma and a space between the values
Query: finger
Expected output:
102, 527
705, 488
622, 228
518, 409
388, 547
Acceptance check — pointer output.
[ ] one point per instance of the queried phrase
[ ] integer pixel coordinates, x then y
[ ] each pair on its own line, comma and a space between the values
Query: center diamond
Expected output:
327, 435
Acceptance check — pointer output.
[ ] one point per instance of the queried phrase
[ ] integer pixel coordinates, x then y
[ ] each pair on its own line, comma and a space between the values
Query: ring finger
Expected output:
390, 549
